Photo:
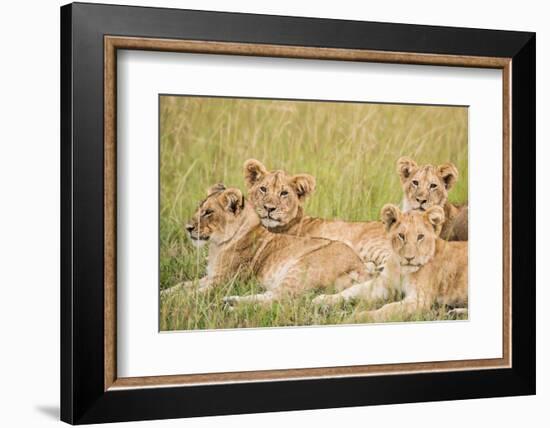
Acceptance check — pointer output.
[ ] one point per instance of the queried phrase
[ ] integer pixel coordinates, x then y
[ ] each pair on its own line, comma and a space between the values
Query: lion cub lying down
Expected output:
433, 271
278, 199
285, 265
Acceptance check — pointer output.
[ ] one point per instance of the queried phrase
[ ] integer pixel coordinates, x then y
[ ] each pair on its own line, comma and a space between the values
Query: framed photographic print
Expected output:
265, 213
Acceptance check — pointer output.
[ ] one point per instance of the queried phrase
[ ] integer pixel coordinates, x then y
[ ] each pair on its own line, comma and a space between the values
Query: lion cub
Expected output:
427, 186
278, 199
285, 265
432, 270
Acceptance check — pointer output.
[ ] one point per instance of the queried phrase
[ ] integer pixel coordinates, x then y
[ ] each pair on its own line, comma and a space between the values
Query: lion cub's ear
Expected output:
405, 168
254, 171
216, 188
390, 215
232, 200
303, 184
436, 217
449, 174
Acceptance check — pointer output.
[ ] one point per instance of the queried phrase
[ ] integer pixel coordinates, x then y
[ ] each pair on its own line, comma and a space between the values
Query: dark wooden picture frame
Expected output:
90, 389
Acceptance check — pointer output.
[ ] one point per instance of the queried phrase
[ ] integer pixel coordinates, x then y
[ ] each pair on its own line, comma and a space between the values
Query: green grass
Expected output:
350, 148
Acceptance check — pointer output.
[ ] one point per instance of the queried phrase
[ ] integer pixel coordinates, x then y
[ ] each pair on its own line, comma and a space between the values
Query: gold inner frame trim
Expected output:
113, 43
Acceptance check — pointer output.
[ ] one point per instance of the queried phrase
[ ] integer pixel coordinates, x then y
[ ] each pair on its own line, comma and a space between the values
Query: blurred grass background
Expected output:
351, 149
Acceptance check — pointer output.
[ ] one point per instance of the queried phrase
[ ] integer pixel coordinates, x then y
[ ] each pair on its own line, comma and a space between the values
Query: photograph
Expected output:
290, 212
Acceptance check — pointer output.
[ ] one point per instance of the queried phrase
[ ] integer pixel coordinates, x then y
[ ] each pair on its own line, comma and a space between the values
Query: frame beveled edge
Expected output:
109, 264
112, 43
300, 52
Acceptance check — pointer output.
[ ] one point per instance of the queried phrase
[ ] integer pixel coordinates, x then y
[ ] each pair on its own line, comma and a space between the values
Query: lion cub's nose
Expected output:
421, 201
269, 208
409, 259
189, 227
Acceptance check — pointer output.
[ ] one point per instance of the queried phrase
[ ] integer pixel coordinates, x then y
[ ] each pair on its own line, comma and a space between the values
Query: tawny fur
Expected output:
432, 270
285, 265
427, 186
278, 199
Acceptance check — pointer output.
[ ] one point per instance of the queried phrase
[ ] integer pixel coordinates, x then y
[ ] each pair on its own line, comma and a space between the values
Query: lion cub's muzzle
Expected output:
197, 238
421, 204
409, 264
268, 217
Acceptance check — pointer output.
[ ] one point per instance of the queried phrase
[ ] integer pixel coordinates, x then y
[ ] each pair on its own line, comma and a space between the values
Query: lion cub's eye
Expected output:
415, 182
284, 193
420, 237
206, 213
401, 236
433, 186
263, 189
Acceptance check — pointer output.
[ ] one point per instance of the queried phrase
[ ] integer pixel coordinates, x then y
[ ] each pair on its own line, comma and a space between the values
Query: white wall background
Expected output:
29, 212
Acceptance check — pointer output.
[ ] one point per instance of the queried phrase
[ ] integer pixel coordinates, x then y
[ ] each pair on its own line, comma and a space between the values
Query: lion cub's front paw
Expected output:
319, 300
228, 307
325, 299
231, 300
177, 288
456, 312
373, 269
